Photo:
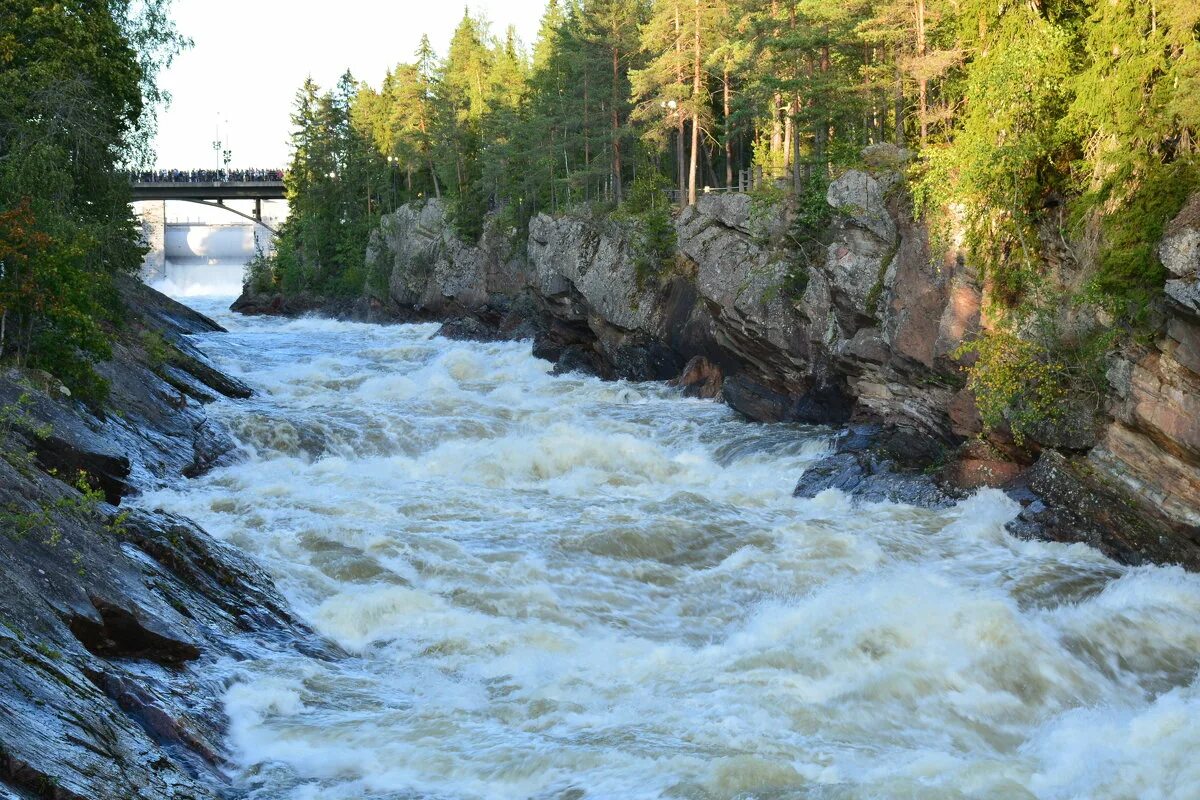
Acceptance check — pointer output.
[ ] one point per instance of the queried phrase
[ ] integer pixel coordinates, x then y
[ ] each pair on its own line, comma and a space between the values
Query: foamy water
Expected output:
558, 588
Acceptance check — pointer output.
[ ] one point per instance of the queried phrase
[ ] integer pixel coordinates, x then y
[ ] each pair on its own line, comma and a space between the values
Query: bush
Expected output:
261, 277
1015, 381
1128, 271
1034, 379
654, 239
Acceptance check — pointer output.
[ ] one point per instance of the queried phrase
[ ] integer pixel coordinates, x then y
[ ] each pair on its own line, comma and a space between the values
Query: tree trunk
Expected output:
618, 189
923, 82
707, 159
797, 169
821, 125
776, 128
680, 160
695, 107
587, 144
899, 102
788, 135
728, 131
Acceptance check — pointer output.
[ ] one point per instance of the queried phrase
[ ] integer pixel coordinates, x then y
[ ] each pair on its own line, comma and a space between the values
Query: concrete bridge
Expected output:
188, 244
212, 193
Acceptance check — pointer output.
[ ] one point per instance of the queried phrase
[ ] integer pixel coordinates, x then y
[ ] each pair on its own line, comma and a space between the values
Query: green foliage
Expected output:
766, 200
1030, 377
15, 419
1026, 115
82, 502
158, 351
76, 104
811, 215
807, 234
654, 238
1006, 144
876, 292
1128, 272
1017, 383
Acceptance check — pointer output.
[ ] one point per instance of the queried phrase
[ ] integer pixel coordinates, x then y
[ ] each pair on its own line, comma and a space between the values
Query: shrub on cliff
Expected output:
1036, 380
648, 207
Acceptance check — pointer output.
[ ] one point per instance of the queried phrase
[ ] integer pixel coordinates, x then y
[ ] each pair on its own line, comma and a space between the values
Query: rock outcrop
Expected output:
1152, 444
111, 622
864, 327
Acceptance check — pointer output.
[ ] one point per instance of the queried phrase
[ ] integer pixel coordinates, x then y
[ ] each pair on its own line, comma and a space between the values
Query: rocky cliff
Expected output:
861, 328
111, 621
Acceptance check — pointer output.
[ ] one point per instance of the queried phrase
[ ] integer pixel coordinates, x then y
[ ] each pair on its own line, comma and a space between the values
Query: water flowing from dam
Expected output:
557, 588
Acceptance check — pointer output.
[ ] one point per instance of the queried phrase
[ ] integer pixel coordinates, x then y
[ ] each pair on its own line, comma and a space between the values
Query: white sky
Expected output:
250, 57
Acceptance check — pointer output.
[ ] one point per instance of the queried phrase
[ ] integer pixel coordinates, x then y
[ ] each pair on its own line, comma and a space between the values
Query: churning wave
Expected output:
554, 587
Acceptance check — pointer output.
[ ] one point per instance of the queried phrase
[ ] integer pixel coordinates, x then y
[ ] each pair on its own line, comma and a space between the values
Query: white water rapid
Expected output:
562, 589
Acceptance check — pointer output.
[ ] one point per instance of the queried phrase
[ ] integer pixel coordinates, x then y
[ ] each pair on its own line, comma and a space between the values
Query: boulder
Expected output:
859, 198
821, 404
864, 465
700, 378
1066, 500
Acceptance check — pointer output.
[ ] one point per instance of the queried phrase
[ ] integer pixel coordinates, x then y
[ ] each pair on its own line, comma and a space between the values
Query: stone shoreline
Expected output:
111, 622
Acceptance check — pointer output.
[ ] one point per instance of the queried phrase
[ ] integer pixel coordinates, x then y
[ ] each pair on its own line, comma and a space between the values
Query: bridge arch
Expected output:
256, 218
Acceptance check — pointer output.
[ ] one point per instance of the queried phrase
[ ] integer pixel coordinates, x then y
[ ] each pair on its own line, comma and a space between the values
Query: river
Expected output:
559, 588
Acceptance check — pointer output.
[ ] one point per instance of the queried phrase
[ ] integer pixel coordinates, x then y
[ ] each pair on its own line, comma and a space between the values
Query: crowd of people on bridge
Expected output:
207, 176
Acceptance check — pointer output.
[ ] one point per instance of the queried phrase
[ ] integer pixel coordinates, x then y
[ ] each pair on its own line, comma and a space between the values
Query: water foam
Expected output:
554, 587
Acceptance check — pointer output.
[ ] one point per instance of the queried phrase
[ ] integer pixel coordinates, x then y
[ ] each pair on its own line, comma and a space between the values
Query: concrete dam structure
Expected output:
197, 256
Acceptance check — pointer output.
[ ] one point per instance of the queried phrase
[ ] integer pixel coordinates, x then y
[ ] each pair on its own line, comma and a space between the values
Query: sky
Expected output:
237, 83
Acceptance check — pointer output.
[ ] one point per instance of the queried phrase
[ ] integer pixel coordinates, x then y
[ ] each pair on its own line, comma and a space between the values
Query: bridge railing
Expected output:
208, 176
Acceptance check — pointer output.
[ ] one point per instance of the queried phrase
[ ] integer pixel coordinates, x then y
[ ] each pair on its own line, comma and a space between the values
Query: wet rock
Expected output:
111, 623
700, 378
186, 358
577, 358
642, 358
70, 445
169, 317
467, 329
1070, 501
864, 466
820, 405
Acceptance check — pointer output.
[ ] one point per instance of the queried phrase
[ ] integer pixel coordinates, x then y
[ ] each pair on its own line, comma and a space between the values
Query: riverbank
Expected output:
113, 618
867, 328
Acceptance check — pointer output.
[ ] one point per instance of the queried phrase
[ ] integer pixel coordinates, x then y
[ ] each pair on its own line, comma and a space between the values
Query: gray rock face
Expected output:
859, 198
865, 331
1180, 254
109, 626
871, 332
576, 258
430, 268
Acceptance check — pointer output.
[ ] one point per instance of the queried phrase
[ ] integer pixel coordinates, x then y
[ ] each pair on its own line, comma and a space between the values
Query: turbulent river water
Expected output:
558, 588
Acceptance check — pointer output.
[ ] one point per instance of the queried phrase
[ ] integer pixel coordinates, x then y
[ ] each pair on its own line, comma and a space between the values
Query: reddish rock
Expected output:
700, 378
964, 414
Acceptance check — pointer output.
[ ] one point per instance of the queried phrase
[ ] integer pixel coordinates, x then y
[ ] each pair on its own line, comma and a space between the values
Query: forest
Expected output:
78, 95
1033, 123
